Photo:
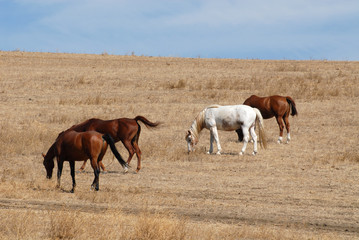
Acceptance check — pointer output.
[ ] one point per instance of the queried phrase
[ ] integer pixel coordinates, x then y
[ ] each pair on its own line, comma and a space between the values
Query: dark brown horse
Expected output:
126, 130
73, 146
274, 106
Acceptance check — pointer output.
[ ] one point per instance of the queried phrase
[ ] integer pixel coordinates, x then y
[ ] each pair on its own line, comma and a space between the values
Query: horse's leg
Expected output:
100, 157
240, 134
83, 166
287, 126
216, 138
96, 170
130, 150
281, 127
245, 139
254, 138
102, 166
60, 164
96, 181
72, 167
210, 142
136, 147
138, 153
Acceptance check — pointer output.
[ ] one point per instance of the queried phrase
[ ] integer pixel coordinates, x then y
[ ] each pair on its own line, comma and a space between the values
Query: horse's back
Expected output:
230, 117
77, 146
231, 110
85, 125
268, 106
91, 136
92, 124
92, 140
251, 99
262, 103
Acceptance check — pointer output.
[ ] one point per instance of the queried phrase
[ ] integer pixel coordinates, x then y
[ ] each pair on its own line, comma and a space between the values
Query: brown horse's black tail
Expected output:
147, 122
111, 142
292, 105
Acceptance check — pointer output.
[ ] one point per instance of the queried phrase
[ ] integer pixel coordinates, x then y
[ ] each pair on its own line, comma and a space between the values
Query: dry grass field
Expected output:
308, 189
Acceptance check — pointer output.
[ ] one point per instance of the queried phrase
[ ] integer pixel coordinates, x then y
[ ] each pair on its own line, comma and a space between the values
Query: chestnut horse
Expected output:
126, 130
275, 106
73, 146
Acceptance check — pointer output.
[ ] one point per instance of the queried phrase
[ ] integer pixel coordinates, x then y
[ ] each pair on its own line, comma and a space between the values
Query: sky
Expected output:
252, 29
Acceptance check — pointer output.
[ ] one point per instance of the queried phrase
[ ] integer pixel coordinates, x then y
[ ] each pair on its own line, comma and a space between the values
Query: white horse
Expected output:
227, 118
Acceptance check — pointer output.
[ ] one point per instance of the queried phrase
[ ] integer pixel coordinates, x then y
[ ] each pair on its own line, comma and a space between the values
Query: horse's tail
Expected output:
111, 142
292, 105
147, 122
260, 125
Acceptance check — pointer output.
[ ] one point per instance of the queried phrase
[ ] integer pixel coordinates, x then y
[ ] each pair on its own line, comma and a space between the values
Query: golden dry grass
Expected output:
307, 189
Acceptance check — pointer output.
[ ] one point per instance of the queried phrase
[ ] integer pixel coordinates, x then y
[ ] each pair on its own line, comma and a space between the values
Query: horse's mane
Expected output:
198, 123
213, 106
50, 153
82, 126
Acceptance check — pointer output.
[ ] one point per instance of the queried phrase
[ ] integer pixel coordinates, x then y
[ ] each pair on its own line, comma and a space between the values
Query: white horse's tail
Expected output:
260, 125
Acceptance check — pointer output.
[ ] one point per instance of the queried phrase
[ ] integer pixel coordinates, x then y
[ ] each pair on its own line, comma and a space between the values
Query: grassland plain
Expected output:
308, 189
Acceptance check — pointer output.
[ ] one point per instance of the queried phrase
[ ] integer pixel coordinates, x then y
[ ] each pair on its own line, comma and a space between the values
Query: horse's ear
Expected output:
187, 134
43, 155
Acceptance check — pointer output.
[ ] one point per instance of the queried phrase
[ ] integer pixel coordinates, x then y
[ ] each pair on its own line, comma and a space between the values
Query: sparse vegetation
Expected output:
305, 190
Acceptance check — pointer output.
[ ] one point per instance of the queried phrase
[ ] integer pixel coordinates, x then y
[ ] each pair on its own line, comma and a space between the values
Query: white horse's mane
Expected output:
198, 123
213, 106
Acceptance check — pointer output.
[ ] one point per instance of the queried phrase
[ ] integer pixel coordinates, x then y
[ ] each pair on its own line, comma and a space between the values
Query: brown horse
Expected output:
274, 106
73, 146
126, 130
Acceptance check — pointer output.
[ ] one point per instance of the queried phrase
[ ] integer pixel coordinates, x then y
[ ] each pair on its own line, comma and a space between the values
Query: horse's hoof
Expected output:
208, 153
241, 153
125, 169
218, 153
254, 153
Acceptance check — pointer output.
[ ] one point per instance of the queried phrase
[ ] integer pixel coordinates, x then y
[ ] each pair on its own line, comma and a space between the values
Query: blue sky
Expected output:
252, 29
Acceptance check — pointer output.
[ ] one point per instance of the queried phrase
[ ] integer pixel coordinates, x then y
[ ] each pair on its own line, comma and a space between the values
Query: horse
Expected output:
126, 130
275, 106
227, 118
74, 146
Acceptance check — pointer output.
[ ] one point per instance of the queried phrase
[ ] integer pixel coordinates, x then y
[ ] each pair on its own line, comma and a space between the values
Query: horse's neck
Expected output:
82, 127
198, 124
51, 152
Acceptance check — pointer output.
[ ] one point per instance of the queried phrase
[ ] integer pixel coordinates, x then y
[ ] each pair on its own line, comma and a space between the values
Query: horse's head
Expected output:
191, 141
49, 165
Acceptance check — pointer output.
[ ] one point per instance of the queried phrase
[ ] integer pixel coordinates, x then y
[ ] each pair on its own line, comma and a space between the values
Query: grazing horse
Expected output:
126, 130
275, 106
73, 146
227, 118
